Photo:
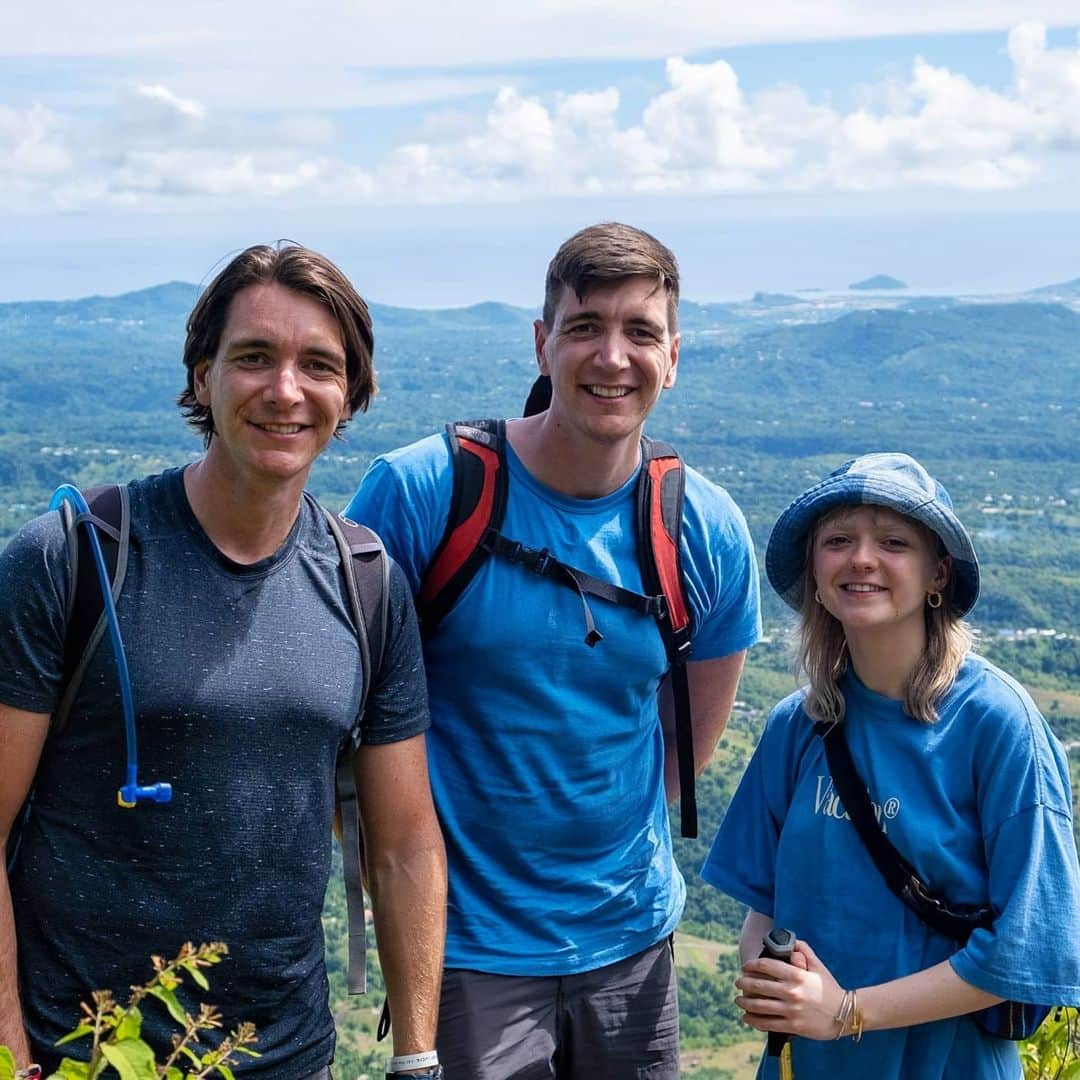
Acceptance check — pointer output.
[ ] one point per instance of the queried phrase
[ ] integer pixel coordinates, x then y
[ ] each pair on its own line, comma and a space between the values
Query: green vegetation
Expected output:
772, 394
116, 1041
765, 405
1053, 1052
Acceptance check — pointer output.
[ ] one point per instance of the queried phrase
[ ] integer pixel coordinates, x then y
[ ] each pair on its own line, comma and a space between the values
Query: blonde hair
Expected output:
823, 653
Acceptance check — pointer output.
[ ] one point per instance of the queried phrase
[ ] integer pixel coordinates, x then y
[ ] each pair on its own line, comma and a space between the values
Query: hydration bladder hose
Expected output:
132, 791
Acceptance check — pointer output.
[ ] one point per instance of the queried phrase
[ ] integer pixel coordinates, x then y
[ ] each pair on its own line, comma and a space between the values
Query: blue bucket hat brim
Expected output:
896, 481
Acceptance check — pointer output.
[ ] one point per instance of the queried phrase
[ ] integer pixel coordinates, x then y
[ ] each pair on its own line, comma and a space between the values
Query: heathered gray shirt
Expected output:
246, 681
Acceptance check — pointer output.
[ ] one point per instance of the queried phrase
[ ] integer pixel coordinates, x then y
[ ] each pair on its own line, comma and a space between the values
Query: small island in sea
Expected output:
879, 281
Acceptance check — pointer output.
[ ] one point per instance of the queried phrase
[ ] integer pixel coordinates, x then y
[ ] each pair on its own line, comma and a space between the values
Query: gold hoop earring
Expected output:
817, 596
933, 600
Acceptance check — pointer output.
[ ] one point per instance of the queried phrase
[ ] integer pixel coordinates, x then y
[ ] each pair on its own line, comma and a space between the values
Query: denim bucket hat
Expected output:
896, 481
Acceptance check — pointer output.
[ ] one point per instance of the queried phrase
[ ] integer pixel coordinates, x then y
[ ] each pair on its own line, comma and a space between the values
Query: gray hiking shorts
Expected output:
619, 1022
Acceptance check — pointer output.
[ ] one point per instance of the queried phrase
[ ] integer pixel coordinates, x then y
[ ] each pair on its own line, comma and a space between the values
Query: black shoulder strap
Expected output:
661, 487
477, 505
539, 399
366, 568
111, 513
901, 877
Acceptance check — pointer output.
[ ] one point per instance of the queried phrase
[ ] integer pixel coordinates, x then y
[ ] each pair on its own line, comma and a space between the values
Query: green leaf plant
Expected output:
115, 1031
1053, 1052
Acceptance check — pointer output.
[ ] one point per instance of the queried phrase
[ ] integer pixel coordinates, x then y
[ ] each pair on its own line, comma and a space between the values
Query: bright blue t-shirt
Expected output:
978, 802
547, 757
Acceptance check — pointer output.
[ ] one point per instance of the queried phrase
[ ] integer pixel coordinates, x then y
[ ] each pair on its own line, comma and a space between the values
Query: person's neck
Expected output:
885, 660
245, 521
569, 462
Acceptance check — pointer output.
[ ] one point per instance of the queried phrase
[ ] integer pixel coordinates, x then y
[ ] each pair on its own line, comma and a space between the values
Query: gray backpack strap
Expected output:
352, 858
110, 511
366, 568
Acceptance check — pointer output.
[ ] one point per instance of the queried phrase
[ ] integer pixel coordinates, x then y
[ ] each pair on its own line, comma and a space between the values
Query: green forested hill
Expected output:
768, 399
772, 394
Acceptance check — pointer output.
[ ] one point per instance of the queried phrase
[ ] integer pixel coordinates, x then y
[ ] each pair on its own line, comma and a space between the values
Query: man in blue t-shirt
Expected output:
552, 763
248, 681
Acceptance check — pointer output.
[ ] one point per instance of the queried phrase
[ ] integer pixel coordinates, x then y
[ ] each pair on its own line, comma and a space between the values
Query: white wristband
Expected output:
414, 1061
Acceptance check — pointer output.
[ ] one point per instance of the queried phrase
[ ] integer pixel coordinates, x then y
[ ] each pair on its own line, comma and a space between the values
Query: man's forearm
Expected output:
12, 1028
408, 892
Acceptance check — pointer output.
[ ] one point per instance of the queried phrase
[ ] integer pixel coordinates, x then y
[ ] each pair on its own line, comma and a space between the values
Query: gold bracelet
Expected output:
856, 1017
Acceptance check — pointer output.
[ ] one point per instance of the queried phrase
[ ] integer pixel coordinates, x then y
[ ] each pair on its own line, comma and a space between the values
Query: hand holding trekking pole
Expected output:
801, 999
779, 944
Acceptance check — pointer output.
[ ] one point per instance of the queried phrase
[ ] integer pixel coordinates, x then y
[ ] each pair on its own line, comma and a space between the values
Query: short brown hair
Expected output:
293, 267
608, 253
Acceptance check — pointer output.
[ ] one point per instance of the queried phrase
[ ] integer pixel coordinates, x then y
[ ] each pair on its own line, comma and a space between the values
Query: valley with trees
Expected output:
772, 394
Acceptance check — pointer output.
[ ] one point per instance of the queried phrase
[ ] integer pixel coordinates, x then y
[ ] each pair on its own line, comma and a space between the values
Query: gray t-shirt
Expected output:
246, 682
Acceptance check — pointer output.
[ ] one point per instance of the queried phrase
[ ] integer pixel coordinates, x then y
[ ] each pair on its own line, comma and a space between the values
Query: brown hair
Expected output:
823, 653
293, 267
609, 253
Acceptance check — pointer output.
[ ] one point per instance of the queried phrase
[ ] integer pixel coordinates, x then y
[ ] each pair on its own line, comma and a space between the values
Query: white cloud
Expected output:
320, 34
1049, 80
934, 128
166, 103
703, 123
33, 153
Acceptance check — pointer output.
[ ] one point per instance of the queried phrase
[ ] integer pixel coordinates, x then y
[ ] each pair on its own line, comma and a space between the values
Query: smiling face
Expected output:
277, 385
874, 568
610, 354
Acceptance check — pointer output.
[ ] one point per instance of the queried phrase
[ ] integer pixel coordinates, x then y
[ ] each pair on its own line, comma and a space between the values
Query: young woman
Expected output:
965, 778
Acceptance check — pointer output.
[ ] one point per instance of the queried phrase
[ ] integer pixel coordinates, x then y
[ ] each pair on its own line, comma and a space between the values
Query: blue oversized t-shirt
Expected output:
547, 757
979, 802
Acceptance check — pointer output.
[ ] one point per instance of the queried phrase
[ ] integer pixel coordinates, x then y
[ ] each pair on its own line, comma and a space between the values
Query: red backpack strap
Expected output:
661, 485
477, 505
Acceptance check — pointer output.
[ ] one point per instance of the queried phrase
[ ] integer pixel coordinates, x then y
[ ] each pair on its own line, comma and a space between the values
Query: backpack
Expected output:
472, 536
366, 570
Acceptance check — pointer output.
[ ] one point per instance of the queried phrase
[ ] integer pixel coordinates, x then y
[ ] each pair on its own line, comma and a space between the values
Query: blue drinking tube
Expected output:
132, 791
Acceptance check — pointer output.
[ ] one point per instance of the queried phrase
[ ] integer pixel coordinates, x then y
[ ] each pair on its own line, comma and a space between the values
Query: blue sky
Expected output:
442, 155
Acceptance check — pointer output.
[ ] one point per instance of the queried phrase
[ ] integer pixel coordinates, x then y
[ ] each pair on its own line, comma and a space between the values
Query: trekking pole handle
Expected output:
778, 944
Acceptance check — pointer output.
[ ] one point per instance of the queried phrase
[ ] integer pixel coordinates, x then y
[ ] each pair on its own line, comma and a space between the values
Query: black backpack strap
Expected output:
901, 877
110, 511
366, 568
541, 561
660, 492
539, 399
478, 503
